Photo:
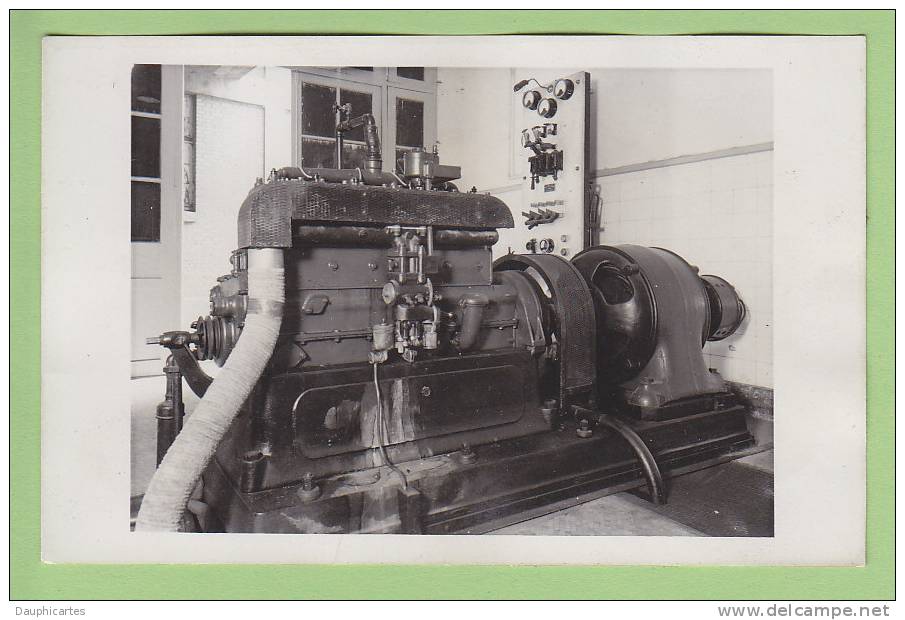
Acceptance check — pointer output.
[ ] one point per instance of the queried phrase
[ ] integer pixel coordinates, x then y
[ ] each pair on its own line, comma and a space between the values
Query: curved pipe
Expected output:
648, 463
168, 494
373, 161
473, 305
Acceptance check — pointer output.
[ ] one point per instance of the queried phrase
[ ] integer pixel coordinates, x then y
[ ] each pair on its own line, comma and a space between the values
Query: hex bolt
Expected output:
372, 266
309, 491
584, 430
426, 391
333, 266
468, 455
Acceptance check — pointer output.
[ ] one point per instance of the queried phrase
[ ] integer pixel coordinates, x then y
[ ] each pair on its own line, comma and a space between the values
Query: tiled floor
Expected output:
615, 515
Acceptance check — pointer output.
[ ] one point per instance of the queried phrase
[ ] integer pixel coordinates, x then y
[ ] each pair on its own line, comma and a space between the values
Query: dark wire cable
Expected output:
381, 429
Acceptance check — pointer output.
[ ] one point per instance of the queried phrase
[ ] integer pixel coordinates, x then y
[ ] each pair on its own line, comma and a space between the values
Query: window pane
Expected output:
145, 211
409, 122
412, 73
317, 153
145, 147
188, 118
361, 104
318, 117
188, 176
354, 156
146, 88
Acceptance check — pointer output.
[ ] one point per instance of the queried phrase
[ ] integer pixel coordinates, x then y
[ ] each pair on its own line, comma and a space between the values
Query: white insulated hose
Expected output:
168, 494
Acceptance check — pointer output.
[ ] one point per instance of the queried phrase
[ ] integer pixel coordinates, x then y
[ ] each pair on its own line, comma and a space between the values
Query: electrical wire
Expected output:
381, 429
546, 87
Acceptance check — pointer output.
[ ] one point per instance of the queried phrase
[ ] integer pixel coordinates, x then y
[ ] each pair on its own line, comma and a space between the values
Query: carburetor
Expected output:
410, 294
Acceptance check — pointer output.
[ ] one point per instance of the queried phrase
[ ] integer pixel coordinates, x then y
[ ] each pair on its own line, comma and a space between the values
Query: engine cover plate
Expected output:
338, 419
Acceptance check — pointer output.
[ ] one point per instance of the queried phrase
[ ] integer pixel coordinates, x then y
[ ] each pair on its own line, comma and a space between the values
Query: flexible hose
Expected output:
172, 485
648, 462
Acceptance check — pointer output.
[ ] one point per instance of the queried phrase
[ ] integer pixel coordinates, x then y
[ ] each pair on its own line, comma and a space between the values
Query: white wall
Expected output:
654, 114
243, 129
717, 213
473, 124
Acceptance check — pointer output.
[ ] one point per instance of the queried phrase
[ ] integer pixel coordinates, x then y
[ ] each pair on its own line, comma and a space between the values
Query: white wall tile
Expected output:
763, 169
744, 200
721, 202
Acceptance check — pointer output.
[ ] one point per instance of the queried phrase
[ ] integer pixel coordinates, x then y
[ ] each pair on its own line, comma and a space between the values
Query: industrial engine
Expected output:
382, 373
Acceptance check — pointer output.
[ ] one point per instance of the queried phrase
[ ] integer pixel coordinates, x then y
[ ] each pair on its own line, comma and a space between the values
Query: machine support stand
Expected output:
410, 510
171, 409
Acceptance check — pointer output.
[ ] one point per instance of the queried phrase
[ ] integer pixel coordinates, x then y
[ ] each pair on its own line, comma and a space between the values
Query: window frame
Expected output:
385, 87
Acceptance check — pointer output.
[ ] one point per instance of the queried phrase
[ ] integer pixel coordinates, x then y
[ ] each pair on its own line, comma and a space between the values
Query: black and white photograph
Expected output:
506, 293
490, 298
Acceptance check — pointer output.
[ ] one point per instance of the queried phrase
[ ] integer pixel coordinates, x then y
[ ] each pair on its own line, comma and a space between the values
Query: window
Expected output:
189, 122
402, 100
145, 112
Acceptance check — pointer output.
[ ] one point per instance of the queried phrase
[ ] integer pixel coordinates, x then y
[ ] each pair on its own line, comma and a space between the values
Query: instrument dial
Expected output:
563, 89
530, 99
547, 108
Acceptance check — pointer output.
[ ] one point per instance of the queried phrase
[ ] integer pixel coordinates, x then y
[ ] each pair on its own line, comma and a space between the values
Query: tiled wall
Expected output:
718, 215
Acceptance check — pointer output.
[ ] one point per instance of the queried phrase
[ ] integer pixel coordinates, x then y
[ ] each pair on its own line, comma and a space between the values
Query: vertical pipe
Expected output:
171, 410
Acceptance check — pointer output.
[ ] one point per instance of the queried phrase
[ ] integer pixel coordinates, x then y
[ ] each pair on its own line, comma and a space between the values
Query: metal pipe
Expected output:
473, 305
171, 410
372, 236
648, 462
332, 175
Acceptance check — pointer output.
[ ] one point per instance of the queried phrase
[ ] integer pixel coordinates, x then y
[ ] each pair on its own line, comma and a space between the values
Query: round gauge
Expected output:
563, 89
530, 99
547, 108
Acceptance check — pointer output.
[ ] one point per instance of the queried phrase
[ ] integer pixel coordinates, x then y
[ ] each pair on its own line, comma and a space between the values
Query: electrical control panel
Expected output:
552, 144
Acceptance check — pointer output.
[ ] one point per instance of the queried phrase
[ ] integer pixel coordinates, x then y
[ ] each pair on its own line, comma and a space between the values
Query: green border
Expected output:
32, 579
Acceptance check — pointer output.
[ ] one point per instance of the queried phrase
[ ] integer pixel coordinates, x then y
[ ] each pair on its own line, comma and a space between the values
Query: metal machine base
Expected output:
479, 490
